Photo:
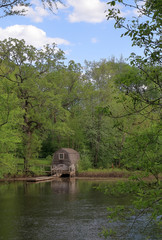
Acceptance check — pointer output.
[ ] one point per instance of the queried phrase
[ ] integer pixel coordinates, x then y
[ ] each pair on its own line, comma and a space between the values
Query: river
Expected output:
57, 210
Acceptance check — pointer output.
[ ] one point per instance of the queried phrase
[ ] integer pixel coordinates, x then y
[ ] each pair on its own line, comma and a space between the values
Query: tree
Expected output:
142, 82
69, 89
99, 127
19, 7
10, 114
145, 32
28, 70
141, 87
144, 29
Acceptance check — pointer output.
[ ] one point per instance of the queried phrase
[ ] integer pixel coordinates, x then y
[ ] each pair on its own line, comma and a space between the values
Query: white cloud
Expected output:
67, 52
95, 11
82, 10
92, 11
94, 40
141, 5
37, 12
31, 34
87, 11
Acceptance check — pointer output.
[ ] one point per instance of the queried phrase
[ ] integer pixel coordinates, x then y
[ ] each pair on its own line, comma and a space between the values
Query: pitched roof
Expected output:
69, 150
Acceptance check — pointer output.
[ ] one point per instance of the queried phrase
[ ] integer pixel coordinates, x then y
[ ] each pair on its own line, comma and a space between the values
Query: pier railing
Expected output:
36, 167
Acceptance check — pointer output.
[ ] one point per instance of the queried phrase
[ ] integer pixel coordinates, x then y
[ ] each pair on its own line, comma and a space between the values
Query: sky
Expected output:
79, 28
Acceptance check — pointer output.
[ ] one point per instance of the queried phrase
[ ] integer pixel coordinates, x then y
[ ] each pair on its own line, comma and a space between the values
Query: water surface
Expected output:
57, 210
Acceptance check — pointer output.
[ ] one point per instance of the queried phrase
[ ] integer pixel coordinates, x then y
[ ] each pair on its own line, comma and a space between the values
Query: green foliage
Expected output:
143, 28
98, 106
24, 73
146, 151
145, 202
144, 85
140, 122
85, 162
9, 126
8, 164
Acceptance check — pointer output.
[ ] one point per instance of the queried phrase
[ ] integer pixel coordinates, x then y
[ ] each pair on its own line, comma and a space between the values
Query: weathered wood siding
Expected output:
65, 159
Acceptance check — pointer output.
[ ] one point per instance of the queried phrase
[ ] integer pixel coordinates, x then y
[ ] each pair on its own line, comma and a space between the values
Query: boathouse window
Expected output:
61, 156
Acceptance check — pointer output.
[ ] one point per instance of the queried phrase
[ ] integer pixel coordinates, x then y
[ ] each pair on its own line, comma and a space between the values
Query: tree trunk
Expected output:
98, 139
28, 152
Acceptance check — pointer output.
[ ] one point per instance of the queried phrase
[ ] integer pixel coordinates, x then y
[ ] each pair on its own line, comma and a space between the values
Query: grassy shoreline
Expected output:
108, 173
105, 174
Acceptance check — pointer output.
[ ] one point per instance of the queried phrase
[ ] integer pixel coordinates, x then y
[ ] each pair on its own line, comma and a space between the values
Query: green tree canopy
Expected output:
27, 69
140, 85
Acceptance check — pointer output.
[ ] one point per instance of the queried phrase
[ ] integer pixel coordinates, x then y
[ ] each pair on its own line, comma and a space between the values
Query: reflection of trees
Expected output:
64, 186
10, 195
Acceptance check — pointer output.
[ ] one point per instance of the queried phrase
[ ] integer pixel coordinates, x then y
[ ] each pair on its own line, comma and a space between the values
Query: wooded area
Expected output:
109, 111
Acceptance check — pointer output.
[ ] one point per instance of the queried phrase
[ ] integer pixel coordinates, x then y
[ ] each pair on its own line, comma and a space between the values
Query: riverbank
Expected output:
110, 174
105, 173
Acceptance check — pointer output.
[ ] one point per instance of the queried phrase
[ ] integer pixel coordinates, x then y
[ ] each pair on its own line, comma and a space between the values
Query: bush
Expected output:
8, 165
85, 162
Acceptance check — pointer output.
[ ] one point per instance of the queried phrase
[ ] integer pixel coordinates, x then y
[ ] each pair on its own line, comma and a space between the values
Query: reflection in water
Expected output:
67, 185
59, 210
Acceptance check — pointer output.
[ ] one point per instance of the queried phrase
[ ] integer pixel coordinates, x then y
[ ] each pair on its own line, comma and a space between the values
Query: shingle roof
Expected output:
69, 150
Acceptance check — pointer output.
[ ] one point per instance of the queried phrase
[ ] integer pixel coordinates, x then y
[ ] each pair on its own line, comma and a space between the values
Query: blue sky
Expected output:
79, 28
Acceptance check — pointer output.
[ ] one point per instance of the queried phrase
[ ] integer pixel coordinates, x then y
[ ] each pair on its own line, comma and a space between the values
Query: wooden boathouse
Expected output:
65, 162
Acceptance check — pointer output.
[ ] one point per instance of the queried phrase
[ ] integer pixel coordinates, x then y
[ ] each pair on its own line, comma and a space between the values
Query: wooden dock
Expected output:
41, 179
